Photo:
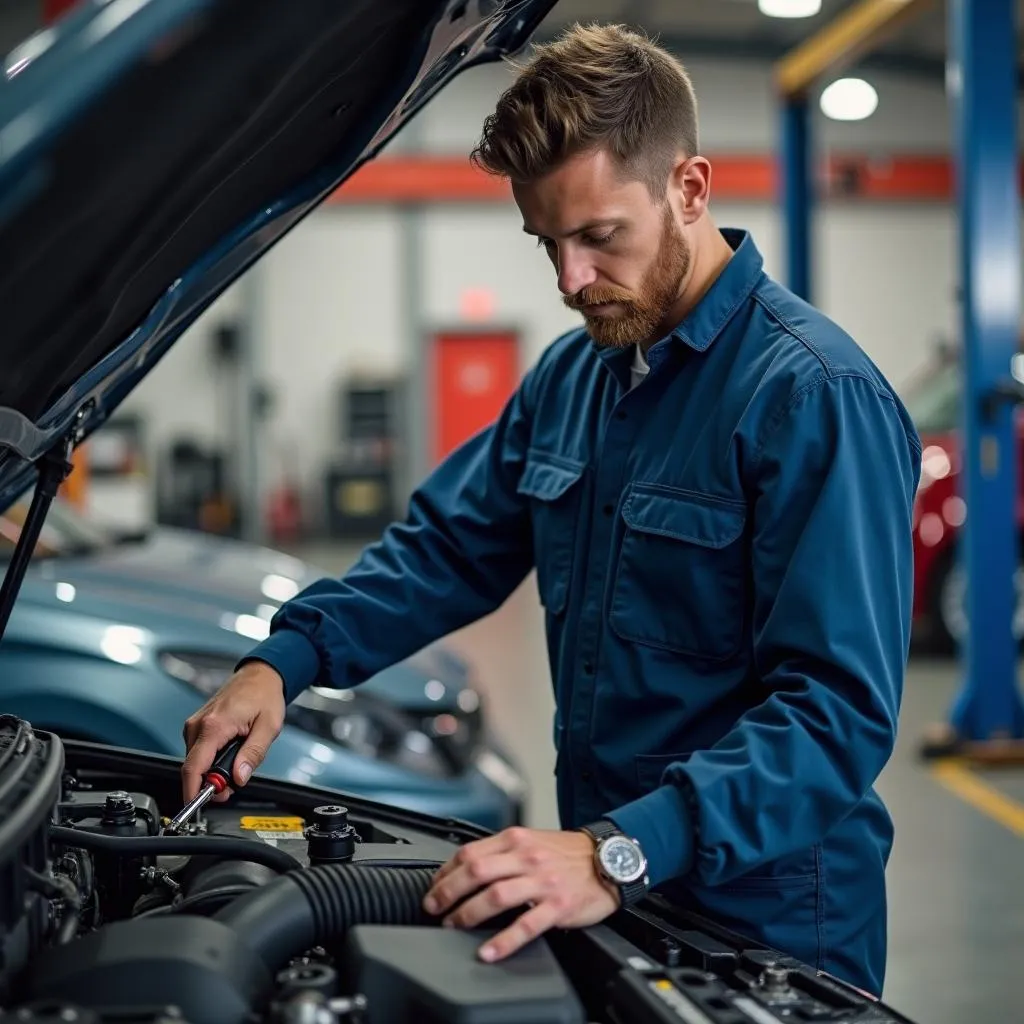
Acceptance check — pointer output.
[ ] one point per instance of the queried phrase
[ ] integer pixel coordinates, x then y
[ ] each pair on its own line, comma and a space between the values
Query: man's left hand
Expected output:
553, 873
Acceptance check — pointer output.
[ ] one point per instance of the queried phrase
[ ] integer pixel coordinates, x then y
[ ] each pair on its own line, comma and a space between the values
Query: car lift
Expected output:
987, 719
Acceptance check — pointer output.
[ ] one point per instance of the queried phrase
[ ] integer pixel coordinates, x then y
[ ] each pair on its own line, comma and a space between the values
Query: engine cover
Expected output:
426, 974
195, 963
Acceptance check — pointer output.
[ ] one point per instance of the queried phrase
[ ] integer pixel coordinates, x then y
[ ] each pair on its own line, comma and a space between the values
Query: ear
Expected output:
690, 186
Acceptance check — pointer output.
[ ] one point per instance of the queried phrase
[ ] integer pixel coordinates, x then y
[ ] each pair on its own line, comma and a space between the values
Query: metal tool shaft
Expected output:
192, 807
217, 779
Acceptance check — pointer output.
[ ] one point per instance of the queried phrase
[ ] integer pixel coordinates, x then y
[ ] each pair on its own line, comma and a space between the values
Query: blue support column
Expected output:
797, 193
984, 88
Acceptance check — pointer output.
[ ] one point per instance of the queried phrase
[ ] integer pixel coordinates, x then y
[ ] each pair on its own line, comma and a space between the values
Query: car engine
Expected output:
283, 905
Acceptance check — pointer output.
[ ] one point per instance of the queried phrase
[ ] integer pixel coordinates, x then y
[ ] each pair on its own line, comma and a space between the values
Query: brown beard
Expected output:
641, 312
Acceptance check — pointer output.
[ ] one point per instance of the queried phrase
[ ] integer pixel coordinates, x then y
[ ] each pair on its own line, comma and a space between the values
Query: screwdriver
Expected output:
217, 778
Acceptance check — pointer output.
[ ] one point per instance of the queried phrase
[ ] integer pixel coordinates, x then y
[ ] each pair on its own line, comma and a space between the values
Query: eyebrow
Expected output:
589, 226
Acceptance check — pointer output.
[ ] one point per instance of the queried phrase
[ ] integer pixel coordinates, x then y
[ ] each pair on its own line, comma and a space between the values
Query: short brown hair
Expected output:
596, 87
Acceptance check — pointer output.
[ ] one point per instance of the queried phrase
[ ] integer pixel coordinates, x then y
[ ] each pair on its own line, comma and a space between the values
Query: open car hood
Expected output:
151, 150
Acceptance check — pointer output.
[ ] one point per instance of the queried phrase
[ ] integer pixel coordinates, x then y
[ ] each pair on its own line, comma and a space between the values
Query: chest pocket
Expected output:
680, 582
551, 482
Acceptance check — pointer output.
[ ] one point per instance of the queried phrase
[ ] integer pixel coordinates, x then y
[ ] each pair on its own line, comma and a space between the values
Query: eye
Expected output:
598, 240
545, 243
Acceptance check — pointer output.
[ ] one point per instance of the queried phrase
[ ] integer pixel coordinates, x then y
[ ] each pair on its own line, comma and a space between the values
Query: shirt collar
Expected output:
731, 288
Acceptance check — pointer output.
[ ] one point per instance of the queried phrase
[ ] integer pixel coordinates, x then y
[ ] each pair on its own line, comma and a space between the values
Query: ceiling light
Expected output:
789, 8
849, 99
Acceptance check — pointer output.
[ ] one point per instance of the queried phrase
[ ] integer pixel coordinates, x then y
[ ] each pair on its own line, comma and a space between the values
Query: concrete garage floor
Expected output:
956, 877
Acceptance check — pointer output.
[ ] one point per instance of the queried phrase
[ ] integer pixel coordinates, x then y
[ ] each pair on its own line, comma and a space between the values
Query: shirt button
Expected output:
586, 776
621, 414
608, 509
588, 667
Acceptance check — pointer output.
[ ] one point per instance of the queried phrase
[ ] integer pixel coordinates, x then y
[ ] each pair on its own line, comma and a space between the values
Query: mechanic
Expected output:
715, 486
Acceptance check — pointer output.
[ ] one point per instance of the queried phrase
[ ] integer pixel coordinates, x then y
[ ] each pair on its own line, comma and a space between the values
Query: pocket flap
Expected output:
696, 518
547, 477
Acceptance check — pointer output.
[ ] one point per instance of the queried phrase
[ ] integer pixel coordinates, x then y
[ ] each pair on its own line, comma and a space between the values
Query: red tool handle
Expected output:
220, 772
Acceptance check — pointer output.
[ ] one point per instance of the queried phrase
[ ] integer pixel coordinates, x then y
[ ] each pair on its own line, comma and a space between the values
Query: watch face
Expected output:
622, 859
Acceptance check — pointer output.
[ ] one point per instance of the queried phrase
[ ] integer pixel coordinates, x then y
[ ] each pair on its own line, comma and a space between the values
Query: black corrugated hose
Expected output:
311, 907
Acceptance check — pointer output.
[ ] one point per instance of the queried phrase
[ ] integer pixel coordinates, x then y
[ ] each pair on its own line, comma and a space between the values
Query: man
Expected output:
715, 486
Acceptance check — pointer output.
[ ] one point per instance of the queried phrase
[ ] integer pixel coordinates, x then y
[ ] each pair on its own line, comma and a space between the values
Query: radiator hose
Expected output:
308, 908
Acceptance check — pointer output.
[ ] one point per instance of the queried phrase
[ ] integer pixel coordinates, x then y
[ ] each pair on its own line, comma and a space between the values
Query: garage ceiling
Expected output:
719, 28
736, 27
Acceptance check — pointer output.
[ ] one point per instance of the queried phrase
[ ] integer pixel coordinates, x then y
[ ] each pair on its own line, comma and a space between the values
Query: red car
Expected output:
934, 401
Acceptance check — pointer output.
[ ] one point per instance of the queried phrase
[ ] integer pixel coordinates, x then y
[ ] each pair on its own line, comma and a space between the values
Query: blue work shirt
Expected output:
723, 554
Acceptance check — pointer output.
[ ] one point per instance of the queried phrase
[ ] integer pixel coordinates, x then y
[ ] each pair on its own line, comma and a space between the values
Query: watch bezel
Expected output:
609, 841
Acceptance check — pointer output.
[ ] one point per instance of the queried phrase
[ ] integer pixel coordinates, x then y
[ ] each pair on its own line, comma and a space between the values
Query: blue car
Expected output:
119, 641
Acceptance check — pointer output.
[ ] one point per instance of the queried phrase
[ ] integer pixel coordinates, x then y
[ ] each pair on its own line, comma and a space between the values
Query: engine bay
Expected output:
285, 905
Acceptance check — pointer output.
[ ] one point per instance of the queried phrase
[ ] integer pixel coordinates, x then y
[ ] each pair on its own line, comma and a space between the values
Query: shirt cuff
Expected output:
662, 823
292, 656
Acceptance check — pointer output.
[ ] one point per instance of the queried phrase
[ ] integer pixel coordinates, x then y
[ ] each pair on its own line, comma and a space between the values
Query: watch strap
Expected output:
601, 829
633, 892
629, 892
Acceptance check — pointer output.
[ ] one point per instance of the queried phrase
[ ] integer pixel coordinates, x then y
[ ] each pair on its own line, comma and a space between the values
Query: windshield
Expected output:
934, 401
65, 532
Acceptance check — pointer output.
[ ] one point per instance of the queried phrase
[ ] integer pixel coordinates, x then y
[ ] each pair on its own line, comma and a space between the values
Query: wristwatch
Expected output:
619, 860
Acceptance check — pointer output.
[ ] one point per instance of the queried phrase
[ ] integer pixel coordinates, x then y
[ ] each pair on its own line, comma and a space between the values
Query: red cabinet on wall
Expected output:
473, 375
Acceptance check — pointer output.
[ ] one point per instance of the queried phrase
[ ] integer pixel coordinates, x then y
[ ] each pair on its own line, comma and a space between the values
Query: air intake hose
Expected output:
311, 907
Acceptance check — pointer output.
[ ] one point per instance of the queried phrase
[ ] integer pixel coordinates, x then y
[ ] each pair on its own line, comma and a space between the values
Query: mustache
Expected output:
598, 296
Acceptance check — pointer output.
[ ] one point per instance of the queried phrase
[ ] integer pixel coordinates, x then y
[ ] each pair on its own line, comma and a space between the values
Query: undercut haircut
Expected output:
597, 87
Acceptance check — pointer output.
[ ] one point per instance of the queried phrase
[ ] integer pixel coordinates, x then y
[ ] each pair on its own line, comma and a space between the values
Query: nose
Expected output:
575, 271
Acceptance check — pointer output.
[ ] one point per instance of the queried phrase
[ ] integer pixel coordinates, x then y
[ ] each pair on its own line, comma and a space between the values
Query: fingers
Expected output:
264, 731
524, 929
506, 894
481, 848
250, 704
200, 757
551, 872
472, 869
191, 731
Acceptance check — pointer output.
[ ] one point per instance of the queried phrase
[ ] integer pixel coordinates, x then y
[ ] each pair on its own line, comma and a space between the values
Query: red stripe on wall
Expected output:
426, 179
421, 179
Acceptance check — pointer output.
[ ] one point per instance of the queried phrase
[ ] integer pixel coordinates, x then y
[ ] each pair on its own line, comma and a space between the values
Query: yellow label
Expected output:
277, 823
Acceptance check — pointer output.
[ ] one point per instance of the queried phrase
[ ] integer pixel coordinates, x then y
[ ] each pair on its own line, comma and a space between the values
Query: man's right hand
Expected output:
251, 703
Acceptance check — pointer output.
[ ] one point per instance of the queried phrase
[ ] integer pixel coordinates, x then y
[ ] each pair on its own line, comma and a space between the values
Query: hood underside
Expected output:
151, 150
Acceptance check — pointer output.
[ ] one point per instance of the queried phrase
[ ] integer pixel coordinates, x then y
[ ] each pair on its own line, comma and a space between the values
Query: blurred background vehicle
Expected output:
934, 399
118, 639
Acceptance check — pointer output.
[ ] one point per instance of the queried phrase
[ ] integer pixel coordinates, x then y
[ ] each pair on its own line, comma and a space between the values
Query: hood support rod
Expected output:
54, 468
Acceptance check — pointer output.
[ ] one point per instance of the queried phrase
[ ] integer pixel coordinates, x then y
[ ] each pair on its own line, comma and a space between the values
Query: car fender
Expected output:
99, 700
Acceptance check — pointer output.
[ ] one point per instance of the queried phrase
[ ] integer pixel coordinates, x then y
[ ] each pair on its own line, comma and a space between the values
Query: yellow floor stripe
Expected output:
980, 795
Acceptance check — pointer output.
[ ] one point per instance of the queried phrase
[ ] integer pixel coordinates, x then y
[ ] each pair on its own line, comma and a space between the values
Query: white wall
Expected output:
332, 300
183, 395
888, 276
332, 308
329, 304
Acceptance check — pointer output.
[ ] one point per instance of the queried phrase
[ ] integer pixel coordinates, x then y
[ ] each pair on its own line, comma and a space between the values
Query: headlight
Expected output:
206, 673
458, 732
370, 727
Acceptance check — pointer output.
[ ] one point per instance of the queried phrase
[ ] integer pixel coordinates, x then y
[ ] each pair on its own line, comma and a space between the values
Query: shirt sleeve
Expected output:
464, 546
832, 493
